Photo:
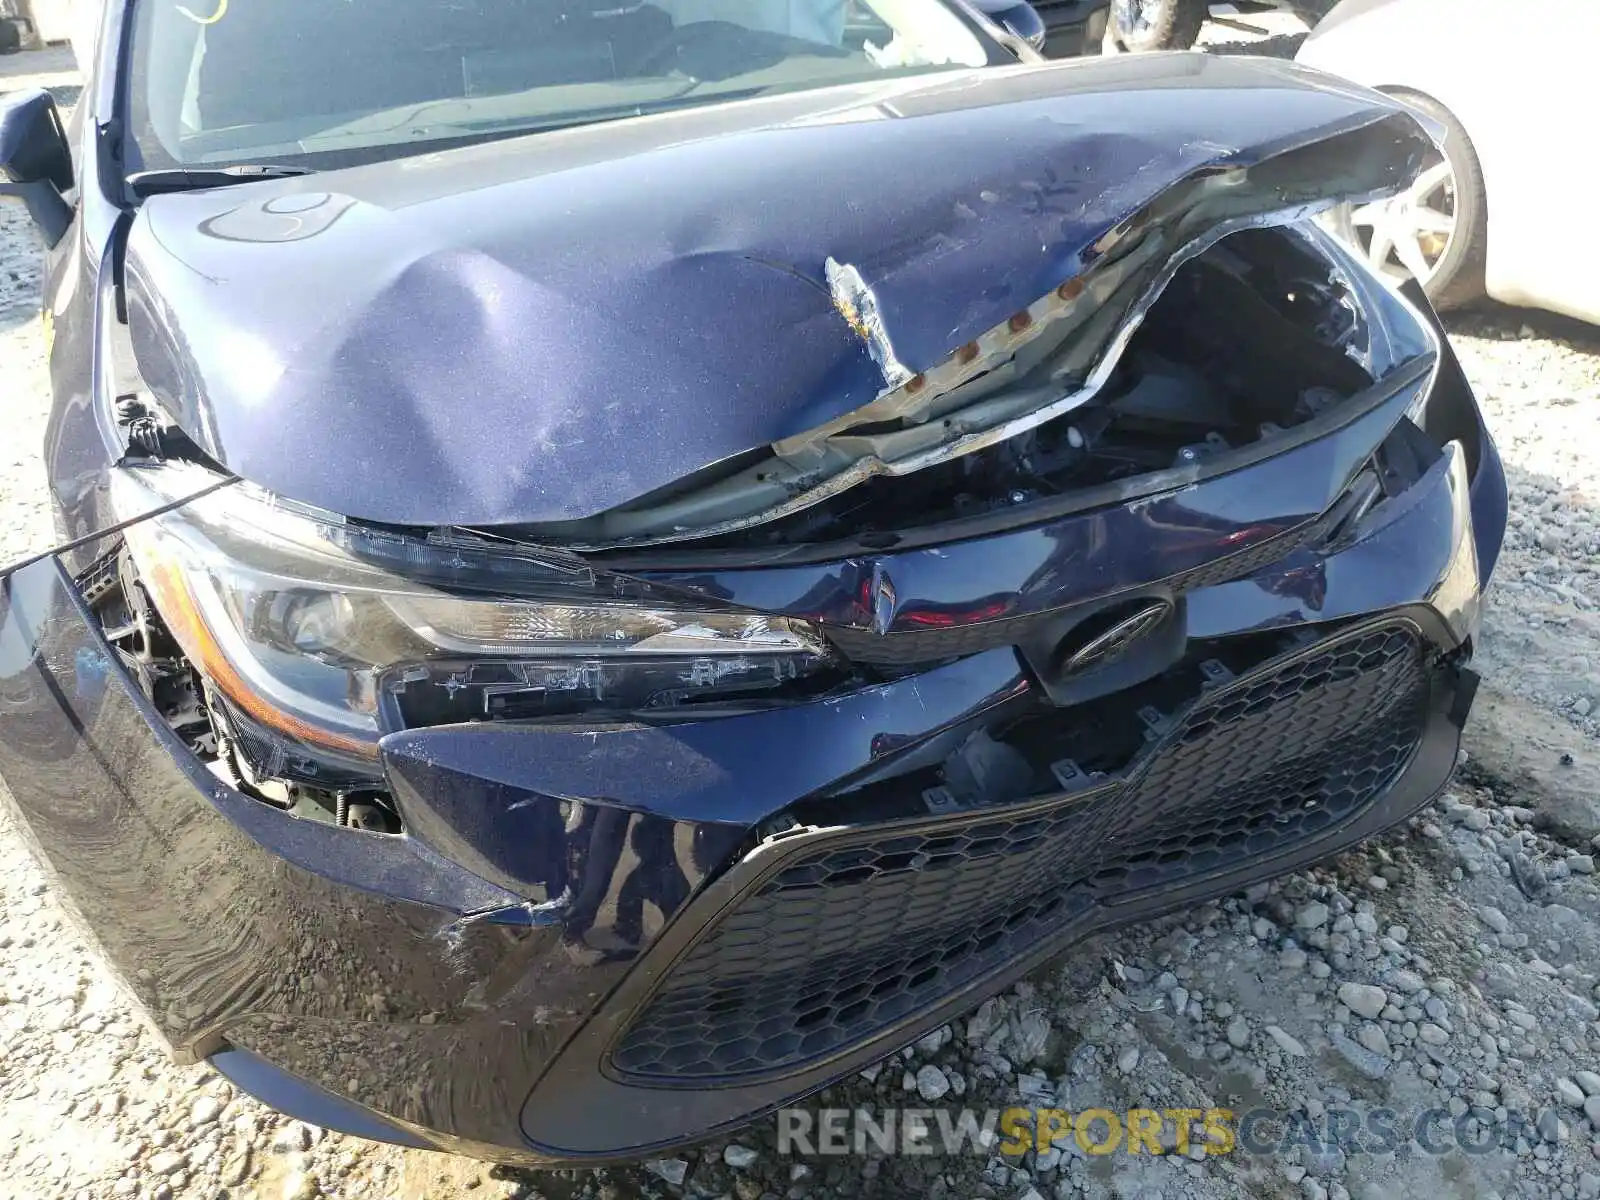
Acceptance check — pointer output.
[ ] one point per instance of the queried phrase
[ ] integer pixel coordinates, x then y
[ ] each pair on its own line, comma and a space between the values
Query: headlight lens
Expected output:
331, 633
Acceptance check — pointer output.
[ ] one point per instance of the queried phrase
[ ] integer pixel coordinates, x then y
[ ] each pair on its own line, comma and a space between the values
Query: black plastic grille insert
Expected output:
858, 932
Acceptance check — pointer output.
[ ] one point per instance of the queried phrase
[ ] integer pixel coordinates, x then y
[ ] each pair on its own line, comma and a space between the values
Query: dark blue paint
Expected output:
1396, 559
557, 848
546, 327
541, 863
1490, 507
1064, 562
219, 912
246, 895
307, 1102
33, 602
735, 769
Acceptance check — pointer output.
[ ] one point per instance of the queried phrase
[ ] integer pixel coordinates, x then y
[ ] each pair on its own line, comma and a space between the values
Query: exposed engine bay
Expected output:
1249, 340
1211, 319
1211, 328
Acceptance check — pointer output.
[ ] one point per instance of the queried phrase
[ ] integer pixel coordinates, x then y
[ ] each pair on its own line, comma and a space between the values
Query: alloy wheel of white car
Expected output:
1435, 230
1408, 234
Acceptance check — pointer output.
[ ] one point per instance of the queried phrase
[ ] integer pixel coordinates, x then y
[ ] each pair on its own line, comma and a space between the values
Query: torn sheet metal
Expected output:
1043, 361
486, 353
859, 307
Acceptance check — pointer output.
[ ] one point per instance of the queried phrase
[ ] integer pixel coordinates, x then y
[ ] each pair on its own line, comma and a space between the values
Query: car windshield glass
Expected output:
222, 81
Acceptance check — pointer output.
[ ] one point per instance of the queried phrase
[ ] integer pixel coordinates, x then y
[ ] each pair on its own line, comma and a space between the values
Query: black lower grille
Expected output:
857, 932
1268, 762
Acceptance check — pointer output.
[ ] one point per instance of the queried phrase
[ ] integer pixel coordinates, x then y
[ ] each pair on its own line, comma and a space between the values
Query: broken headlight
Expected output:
332, 633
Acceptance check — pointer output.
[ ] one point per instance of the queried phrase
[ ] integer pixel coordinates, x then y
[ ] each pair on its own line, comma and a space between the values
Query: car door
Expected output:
1537, 82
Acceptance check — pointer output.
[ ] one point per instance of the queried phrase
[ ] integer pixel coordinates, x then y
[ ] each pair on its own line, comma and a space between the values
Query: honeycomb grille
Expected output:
1271, 762
855, 934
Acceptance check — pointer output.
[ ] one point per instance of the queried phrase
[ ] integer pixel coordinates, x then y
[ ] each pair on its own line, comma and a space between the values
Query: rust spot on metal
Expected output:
857, 304
1020, 321
914, 384
1071, 289
968, 353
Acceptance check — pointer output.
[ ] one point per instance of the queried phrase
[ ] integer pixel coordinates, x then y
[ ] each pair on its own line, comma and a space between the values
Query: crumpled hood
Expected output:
544, 328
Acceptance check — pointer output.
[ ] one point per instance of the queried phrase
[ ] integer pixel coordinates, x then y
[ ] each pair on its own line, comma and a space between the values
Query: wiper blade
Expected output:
517, 126
189, 179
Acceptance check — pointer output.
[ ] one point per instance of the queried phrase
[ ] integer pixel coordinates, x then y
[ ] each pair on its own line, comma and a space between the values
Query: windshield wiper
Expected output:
189, 179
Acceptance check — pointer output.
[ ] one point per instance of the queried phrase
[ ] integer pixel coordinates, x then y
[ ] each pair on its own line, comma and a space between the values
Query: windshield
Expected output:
226, 81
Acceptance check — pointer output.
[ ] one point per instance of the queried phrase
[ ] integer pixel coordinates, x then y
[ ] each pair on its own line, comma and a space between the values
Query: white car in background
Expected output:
1507, 210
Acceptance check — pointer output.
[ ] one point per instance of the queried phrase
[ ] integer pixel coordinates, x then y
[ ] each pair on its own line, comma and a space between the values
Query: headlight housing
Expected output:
330, 634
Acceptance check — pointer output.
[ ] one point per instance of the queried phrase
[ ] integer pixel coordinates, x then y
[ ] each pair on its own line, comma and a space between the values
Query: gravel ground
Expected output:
1450, 965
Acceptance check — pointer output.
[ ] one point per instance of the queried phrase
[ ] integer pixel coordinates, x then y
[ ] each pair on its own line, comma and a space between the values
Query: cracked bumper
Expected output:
423, 989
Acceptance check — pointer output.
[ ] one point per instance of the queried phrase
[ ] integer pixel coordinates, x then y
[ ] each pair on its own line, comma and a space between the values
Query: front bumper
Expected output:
528, 954
824, 950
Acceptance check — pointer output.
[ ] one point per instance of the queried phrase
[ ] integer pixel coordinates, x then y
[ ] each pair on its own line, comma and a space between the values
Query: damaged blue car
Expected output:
622, 562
